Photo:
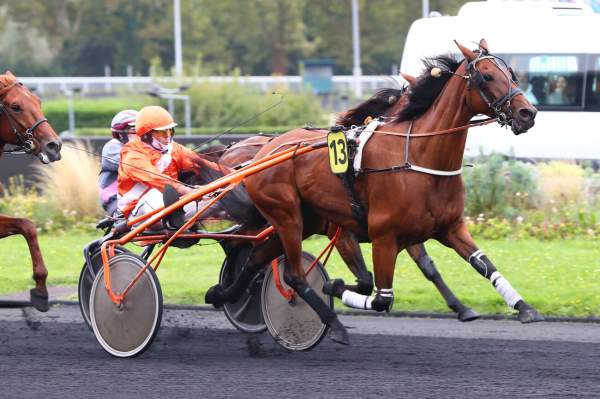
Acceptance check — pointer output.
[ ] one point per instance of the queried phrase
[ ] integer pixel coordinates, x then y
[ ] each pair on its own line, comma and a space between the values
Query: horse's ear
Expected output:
409, 78
469, 55
9, 74
483, 46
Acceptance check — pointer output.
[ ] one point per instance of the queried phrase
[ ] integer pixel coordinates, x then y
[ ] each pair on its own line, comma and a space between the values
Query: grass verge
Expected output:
560, 278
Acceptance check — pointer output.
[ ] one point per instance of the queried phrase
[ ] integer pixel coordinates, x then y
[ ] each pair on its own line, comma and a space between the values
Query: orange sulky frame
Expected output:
225, 183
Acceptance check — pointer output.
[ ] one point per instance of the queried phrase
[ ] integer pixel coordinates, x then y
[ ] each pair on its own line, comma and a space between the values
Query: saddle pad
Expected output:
364, 136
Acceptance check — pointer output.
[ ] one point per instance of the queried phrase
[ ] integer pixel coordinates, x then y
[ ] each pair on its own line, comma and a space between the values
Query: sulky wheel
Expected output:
294, 325
245, 314
86, 280
129, 329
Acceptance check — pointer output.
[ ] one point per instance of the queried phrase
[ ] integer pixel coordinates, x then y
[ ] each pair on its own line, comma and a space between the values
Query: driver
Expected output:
150, 165
122, 128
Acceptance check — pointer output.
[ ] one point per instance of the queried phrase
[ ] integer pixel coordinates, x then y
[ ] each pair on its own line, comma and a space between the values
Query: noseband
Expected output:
25, 143
477, 80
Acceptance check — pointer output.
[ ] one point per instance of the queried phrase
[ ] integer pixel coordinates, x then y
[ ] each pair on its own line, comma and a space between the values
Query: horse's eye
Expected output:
487, 77
16, 107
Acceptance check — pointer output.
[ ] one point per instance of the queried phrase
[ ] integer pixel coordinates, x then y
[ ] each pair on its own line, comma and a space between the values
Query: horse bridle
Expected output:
25, 141
477, 80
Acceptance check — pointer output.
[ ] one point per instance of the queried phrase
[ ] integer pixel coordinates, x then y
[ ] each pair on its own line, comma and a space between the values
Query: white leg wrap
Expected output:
356, 301
510, 296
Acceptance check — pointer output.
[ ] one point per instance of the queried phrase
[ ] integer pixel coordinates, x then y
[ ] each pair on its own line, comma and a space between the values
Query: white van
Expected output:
554, 47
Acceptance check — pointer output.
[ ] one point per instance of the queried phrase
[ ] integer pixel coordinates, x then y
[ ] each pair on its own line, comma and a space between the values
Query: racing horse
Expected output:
347, 243
23, 125
409, 183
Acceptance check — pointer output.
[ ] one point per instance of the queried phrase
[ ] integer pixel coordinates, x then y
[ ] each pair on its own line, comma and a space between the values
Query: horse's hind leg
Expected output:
349, 249
255, 260
282, 210
10, 226
459, 239
419, 255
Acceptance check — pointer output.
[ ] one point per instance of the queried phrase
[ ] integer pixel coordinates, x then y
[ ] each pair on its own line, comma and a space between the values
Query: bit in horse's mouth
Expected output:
44, 158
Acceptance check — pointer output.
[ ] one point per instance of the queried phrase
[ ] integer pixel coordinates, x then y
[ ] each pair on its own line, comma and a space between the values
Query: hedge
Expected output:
214, 107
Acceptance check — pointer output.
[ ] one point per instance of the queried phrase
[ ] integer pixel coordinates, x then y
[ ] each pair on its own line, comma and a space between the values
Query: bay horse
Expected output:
347, 243
410, 185
23, 125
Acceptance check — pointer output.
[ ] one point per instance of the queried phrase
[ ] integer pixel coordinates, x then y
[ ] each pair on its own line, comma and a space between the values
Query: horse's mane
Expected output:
427, 88
375, 106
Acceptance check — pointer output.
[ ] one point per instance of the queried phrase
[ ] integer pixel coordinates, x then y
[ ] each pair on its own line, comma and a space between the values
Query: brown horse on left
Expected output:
23, 125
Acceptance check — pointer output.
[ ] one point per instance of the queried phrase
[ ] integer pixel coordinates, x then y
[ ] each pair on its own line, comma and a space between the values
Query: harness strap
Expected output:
348, 180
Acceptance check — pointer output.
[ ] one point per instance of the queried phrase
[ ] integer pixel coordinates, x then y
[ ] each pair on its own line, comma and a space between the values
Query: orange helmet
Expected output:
151, 118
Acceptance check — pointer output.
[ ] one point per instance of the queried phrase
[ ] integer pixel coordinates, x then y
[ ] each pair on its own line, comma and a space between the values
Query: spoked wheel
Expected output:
84, 288
129, 329
245, 314
294, 325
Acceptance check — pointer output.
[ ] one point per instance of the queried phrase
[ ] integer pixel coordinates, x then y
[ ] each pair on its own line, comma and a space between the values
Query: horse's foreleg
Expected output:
25, 227
385, 252
349, 249
459, 239
425, 263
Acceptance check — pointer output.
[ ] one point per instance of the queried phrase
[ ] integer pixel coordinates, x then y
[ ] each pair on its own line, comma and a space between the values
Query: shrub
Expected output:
232, 104
499, 187
560, 183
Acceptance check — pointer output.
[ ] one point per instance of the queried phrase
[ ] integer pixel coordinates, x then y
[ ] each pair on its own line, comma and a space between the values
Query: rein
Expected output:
25, 143
483, 122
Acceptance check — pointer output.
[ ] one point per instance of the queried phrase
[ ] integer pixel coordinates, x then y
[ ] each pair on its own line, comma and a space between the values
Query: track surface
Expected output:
197, 354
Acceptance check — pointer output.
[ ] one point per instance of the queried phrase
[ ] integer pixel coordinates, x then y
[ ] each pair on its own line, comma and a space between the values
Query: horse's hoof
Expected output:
39, 300
338, 333
215, 296
530, 315
468, 315
334, 287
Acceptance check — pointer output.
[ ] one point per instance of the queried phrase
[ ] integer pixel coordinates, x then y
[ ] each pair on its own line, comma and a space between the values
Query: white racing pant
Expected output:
153, 199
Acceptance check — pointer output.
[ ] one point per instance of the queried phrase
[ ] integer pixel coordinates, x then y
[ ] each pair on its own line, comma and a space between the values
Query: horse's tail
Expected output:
236, 203
376, 106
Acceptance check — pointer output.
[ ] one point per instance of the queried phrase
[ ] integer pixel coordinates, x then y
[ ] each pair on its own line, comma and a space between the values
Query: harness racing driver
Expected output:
150, 165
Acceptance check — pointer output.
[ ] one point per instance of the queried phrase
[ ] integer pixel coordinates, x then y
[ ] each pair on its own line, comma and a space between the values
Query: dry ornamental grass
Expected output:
71, 184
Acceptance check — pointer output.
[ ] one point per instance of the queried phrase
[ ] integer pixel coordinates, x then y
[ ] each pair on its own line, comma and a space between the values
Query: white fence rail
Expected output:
110, 84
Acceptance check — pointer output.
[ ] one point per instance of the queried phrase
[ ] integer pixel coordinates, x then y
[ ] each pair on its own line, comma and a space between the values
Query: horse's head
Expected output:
494, 90
22, 121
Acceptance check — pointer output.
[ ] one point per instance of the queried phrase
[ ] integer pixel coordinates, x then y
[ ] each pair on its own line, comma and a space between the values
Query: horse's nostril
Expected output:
527, 114
53, 147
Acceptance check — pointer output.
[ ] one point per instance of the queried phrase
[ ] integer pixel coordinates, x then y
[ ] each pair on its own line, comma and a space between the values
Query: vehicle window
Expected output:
592, 86
550, 81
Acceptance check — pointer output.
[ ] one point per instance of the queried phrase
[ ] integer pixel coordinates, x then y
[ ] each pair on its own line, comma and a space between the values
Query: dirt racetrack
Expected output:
198, 355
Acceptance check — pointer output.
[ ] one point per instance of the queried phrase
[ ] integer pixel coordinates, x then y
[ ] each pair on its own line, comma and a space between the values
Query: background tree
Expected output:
254, 37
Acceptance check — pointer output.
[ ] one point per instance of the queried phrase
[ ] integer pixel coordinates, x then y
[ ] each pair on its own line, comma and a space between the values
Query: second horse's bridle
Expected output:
477, 80
24, 140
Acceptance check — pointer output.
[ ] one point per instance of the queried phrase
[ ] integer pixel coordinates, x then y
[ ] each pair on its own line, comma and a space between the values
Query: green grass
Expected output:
558, 277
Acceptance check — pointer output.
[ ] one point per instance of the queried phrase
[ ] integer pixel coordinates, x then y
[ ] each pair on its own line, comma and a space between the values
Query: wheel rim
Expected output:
84, 286
294, 326
245, 314
128, 330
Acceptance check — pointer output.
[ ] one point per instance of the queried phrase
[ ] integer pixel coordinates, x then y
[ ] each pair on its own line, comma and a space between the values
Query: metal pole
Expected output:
425, 8
69, 94
188, 115
171, 105
107, 84
356, 70
177, 24
130, 76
